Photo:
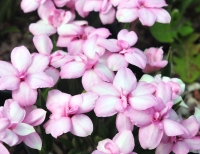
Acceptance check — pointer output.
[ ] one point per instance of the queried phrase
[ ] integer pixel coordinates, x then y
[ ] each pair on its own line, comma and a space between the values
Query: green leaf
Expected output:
9, 29
97, 139
166, 71
176, 106
185, 30
73, 151
184, 5
127, 26
163, 32
102, 130
66, 142
4, 7
187, 58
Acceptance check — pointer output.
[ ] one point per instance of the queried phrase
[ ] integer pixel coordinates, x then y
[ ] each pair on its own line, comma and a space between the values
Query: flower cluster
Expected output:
111, 87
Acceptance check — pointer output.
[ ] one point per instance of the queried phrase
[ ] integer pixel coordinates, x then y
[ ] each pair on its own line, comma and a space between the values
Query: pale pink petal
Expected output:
109, 44
3, 149
69, 29
39, 80
10, 137
181, 148
92, 5
74, 103
90, 47
128, 4
193, 143
33, 140
63, 41
72, 70
42, 28
80, 9
15, 112
35, 117
39, 63
164, 148
123, 123
23, 129
125, 141
142, 102
191, 125
98, 152
21, 58
58, 127
108, 146
127, 36
155, 3
127, 15
89, 79
104, 72
60, 3
75, 47
146, 17
29, 5
164, 92
150, 136
9, 83
125, 86
103, 32
116, 61
6, 69
45, 10
89, 101
143, 88
5, 123
108, 17
81, 125
59, 58
162, 15
115, 2
136, 57
25, 95
43, 44
104, 88
105, 105
172, 128
53, 73
56, 101
138, 118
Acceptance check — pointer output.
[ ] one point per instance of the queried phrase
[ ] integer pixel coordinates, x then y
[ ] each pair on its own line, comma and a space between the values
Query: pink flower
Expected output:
21, 124
126, 54
158, 120
25, 75
92, 71
31, 5
122, 143
148, 11
67, 113
154, 60
122, 93
181, 144
54, 20
104, 7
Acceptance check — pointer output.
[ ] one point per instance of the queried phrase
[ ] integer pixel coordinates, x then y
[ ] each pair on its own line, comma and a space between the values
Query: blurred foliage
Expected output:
182, 34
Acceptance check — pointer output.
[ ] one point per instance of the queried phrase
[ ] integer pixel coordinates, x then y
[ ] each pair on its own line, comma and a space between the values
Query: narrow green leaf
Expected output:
166, 71
4, 7
127, 26
176, 106
102, 130
9, 29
